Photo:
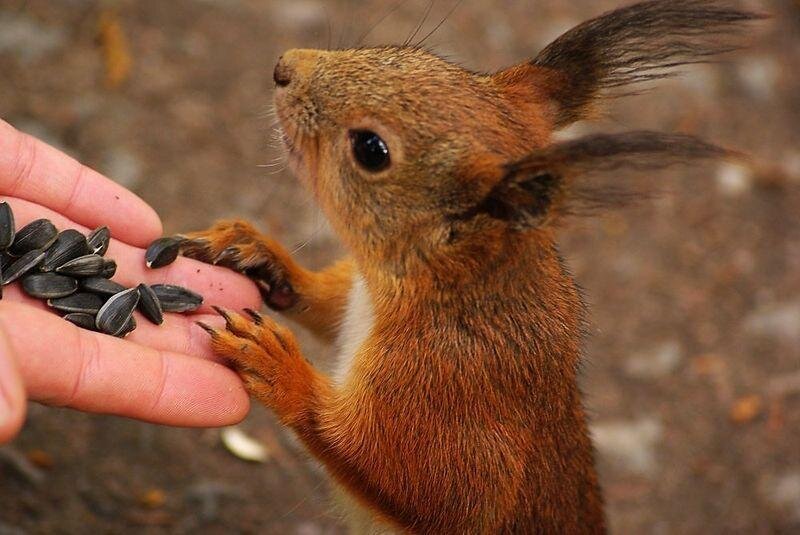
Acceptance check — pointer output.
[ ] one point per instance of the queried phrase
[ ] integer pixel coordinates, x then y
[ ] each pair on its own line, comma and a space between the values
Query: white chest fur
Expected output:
359, 319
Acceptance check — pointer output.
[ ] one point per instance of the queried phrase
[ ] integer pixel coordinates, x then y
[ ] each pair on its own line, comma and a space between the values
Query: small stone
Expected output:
734, 180
629, 443
658, 362
780, 321
28, 39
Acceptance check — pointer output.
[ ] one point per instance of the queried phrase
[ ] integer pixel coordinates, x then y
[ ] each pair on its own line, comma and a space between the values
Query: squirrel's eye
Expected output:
370, 151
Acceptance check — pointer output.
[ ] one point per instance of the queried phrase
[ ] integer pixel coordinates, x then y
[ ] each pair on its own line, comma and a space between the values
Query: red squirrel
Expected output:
455, 407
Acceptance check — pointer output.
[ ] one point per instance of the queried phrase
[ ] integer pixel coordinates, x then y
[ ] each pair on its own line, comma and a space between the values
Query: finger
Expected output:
178, 334
32, 170
12, 393
63, 365
217, 285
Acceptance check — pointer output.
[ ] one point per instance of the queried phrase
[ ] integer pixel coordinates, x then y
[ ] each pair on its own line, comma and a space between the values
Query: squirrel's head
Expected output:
415, 159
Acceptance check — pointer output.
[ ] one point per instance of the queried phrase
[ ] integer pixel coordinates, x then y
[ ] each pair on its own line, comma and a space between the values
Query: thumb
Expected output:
12, 393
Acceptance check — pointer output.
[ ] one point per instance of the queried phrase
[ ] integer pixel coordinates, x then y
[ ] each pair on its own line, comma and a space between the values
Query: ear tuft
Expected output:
629, 46
583, 176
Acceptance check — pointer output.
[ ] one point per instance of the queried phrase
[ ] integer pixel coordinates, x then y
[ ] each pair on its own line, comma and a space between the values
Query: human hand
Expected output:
165, 374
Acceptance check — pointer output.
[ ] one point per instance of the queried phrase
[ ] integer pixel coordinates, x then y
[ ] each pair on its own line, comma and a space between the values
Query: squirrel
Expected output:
455, 405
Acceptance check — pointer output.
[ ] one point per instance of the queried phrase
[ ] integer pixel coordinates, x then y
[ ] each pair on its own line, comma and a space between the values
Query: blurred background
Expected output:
692, 371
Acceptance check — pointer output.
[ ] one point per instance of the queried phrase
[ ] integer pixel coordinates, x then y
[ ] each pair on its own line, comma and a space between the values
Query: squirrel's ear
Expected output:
583, 176
635, 44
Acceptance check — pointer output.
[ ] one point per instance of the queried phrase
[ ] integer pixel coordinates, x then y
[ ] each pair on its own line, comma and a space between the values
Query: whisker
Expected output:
441, 22
347, 27
330, 26
421, 23
377, 23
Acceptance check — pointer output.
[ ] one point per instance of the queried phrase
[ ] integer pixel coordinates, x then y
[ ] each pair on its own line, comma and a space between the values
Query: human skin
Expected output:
162, 374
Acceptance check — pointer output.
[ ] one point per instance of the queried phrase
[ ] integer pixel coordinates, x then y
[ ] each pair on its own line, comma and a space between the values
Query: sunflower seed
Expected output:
149, 305
129, 327
89, 265
49, 285
78, 302
101, 286
109, 269
6, 260
162, 252
7, 226
39, 234
99, 239
114, 315
23, 265
82, 320
177, 299
69, 245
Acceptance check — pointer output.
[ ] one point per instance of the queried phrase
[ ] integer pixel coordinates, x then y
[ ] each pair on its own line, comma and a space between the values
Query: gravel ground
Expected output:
693, 366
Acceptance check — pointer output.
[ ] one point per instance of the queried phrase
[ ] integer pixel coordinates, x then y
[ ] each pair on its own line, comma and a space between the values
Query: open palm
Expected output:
165, 374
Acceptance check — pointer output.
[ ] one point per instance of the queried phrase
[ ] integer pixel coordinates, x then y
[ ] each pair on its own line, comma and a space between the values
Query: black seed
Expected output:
39, 234
162, 252
114, 315
177, 299
69, 245
78, 302
6, 260
89, 265
23, 265
7, 226
109, 269
49, 285
129, 327
84, 321
99, 239
149, 305
102, 286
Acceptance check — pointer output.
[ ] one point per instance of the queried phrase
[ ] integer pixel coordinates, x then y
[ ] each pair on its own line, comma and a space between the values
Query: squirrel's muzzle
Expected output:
294, 65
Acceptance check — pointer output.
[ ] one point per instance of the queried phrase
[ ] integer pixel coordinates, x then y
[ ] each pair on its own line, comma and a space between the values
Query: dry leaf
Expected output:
41, 459
153, 498
706, 365
746, 409
115, 49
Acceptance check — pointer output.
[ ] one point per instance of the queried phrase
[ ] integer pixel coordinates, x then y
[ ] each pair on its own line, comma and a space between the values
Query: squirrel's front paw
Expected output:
241, 247
268, 359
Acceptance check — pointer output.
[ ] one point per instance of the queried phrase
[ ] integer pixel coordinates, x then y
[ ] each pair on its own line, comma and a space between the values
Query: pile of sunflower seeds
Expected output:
69, 271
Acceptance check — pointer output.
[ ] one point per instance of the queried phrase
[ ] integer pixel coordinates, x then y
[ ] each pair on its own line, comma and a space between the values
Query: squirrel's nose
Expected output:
283, 73
296, 65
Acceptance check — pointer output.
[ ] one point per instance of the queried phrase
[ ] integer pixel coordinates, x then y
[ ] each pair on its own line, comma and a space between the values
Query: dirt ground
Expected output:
693, 361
